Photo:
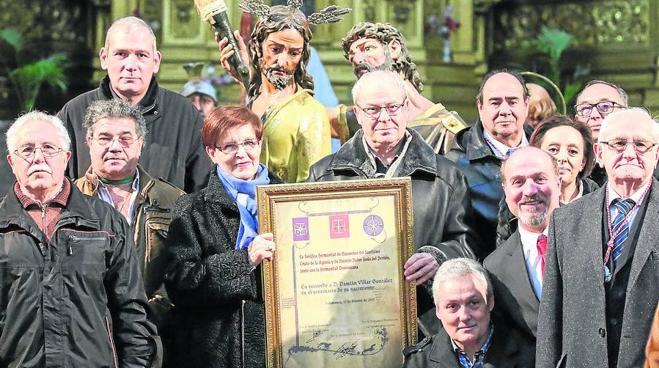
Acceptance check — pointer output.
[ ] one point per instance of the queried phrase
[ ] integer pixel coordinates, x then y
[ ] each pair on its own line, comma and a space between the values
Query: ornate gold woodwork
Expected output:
595, 23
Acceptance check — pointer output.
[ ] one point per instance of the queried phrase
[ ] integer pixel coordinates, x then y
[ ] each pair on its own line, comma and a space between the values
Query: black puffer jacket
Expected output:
440, 202
172, 150
76, 300
218, 312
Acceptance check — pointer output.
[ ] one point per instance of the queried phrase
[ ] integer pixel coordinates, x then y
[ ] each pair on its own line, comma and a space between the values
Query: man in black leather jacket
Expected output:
385, 148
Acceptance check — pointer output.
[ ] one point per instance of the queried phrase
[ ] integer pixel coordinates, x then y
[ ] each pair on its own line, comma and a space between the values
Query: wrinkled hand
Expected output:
420, 267
262, 247
226, 51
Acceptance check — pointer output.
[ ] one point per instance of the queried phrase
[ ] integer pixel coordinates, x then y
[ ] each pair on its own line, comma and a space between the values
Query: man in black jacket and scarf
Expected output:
173, 150
385, 148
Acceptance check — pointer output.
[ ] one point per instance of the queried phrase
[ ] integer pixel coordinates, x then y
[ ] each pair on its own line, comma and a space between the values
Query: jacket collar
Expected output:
475, 146
501, 347
145, 182
78, 211
418, 157
148, 102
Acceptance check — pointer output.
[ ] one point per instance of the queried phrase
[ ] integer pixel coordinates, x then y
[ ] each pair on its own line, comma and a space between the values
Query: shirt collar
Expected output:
61, 198
135, 186
530, 239
483, 350
399, 149
637, 197
499, 149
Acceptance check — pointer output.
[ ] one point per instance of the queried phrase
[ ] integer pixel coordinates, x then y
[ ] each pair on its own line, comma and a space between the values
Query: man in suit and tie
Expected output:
532, 188
602, 267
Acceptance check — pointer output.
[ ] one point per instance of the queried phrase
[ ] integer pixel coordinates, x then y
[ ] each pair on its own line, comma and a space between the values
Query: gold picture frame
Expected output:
335, 294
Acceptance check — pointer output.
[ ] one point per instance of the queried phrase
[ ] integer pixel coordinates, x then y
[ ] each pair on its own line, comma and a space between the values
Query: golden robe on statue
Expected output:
296, 134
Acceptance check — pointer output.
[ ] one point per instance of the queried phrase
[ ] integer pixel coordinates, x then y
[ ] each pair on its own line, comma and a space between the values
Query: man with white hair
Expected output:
464, 299
602, 274
385, 148
71, 292
173, 150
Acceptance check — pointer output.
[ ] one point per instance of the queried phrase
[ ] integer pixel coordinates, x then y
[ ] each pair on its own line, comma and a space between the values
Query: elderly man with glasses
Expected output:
71, 293
385, 148
595, 101
115, 135
601, 277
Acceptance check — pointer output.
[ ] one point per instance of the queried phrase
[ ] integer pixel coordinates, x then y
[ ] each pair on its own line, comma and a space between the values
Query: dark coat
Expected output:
152, 214
439, 199
172, 150
515, 302
219, 313
482, 168
76, 299
437, 352
574, 319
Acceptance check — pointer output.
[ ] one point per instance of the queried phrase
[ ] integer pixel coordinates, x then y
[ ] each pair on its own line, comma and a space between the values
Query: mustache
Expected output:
278, 68
39, 167
536, 198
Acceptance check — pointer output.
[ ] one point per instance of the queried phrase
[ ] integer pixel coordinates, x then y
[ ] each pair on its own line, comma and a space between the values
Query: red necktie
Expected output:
542, 250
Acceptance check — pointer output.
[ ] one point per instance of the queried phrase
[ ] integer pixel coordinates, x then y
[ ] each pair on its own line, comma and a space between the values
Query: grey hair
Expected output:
12, 132
129, 24
399, 83
640, 110
621, 92
460, 267
114, 108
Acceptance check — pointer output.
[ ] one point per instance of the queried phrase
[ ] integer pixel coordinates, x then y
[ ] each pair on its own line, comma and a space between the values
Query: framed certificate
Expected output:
335, 295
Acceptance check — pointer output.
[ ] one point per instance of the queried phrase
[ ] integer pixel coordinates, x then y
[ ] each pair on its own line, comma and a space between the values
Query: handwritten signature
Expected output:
343, 350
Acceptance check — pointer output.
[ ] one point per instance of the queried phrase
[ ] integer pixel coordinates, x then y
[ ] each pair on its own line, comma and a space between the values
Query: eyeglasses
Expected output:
231, 148
125, 141
375, 111
604, 108
619, 145
47, 150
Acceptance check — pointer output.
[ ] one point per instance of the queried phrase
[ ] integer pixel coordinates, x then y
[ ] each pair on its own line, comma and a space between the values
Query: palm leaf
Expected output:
29, 78
553, 42
12, 37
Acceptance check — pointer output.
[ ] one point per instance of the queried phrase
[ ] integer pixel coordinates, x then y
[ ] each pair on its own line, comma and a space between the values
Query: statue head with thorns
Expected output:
279, 44
379, 46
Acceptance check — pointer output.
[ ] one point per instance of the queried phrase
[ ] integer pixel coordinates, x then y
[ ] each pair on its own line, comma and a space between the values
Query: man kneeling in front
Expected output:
464, 300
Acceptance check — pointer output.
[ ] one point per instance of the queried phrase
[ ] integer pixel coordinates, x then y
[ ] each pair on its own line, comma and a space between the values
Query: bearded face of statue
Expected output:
282, 52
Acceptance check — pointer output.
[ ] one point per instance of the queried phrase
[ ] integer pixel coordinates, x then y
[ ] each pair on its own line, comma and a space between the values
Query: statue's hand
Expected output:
226, 51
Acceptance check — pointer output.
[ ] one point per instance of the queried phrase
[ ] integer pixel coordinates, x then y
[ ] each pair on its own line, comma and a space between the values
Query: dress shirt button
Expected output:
614, 321
602, 332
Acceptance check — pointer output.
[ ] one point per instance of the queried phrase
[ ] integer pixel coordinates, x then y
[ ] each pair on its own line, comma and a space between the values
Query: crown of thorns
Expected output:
330, 14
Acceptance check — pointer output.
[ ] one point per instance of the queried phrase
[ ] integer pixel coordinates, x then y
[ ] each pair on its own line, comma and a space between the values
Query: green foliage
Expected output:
12, 37
553, 42
28, 77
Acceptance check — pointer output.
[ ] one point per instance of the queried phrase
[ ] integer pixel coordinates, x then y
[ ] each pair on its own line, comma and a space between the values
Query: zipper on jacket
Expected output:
242, 330
43, 217
111, 340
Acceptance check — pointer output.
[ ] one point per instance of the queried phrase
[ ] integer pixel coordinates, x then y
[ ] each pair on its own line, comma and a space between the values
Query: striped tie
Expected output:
620, 226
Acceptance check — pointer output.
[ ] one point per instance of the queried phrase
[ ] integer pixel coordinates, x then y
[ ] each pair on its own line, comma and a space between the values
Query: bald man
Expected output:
173, 150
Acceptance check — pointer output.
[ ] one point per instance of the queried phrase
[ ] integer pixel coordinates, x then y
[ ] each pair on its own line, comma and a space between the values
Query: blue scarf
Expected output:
243, 194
